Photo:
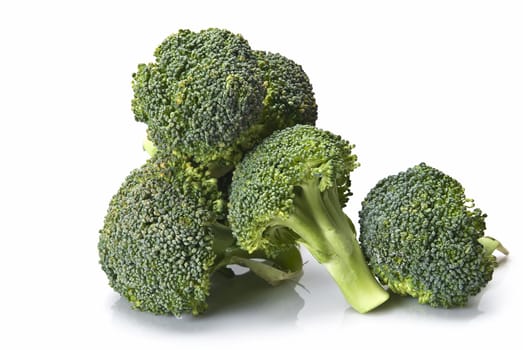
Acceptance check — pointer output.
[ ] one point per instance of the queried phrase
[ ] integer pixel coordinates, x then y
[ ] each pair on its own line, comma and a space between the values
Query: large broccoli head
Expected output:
422, 237
156, 246
210, 97
201, 96
291, 189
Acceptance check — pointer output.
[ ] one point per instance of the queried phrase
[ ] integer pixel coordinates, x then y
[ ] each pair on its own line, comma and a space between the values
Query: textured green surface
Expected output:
420, 235
269, 178
210, 97
156, 246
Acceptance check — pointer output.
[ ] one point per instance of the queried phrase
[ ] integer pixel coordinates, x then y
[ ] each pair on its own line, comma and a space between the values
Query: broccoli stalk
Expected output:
329, 235
149, 147
491, 244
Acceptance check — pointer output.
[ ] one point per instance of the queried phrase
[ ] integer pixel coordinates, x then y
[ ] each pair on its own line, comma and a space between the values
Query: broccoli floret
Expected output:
162, 239
201, 95
210, 97
289, 99
291, 189
422, 237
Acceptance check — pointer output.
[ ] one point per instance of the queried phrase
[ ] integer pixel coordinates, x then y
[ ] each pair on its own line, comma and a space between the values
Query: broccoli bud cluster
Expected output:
423, 237
156, 247
211, 97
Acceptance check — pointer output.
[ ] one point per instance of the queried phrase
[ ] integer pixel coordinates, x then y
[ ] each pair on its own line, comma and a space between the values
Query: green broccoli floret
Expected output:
202, 94
291, 189
162, 239
210, 97
422, 237
289, 99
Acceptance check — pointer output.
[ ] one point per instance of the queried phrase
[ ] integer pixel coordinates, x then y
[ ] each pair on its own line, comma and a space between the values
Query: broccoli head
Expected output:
210, 97
289, 99
201, 95
422, 237
162, 239
291, 189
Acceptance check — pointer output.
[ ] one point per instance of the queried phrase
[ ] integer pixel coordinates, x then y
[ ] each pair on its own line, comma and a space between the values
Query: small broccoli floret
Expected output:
162, 239
289, 99
422, 237
291, 189
210, 97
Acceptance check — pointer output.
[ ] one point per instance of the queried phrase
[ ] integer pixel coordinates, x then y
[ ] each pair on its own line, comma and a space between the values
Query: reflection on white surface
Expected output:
247, 304
245, 298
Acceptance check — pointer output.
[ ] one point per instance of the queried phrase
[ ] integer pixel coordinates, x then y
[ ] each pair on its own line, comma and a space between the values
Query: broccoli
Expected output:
289, 99
291, 189
164, 236
210, 97
422, 237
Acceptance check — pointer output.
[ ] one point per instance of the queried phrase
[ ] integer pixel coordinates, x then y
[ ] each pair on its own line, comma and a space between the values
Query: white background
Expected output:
406, 81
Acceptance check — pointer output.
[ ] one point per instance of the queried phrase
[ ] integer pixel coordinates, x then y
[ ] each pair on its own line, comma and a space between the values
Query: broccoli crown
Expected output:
202, 95
156, 246
210, 97
420, 235
290, 99
268, 179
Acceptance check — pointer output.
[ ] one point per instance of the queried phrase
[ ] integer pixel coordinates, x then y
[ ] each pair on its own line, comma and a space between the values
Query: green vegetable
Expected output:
239, 175
291, 189
289, 99
422, 237
163, 237
210, 97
